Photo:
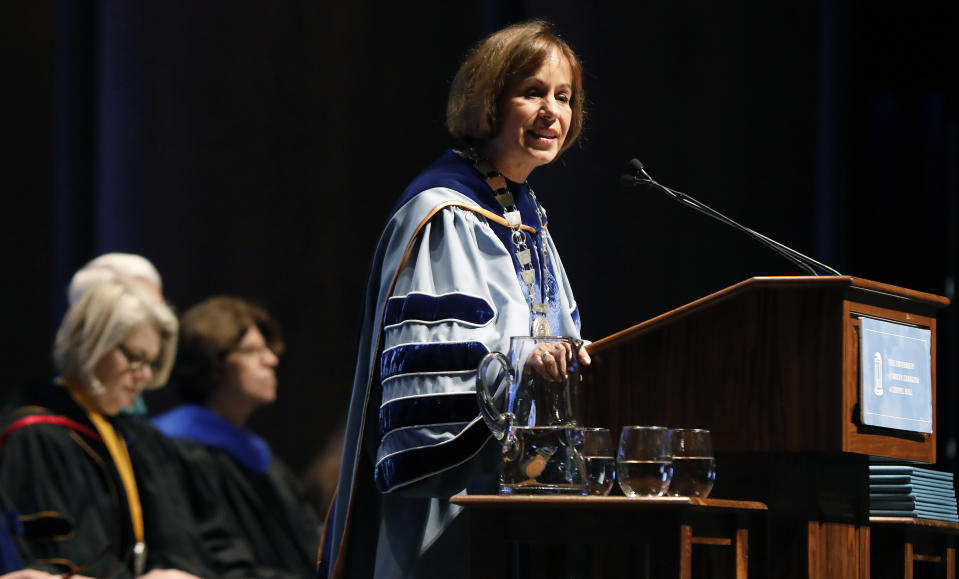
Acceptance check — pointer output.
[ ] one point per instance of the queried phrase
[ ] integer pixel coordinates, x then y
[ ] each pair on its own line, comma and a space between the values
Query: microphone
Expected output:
627, 180
639, 176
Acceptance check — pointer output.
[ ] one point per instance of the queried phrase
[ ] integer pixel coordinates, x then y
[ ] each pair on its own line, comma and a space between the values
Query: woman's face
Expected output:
125, 370
249, 369
534, 118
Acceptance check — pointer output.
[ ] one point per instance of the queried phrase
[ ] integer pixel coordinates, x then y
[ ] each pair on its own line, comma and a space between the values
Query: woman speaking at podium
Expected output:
464, 262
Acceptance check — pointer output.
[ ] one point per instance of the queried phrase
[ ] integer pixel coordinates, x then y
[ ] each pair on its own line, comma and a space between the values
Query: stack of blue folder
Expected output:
899, 489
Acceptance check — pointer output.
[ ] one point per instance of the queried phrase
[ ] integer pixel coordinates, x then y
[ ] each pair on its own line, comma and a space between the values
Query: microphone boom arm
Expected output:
796, 258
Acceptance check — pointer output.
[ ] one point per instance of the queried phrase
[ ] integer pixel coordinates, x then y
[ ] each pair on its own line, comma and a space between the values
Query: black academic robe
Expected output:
69, 494
268, 510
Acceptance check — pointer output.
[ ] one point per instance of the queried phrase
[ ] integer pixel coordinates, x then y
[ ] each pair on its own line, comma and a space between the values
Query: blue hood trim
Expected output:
204, 426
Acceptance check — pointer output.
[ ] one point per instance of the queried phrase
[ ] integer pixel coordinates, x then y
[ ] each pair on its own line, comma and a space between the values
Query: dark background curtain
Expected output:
254, 148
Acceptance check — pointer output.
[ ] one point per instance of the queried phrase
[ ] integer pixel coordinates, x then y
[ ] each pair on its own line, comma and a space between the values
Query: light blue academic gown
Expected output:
444, 290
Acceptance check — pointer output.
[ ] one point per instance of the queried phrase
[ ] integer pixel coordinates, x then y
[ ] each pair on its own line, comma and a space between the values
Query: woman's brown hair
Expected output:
492, 66
208, 332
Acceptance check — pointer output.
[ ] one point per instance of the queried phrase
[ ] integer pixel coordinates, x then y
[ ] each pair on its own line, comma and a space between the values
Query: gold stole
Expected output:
118, 452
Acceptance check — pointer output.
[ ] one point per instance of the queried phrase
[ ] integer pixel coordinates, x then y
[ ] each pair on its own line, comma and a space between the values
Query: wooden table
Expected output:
572, 536
898, 544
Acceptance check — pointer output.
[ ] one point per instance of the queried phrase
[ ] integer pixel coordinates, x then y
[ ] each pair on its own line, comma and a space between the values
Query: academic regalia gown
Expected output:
444, 290
267, 507
63, 483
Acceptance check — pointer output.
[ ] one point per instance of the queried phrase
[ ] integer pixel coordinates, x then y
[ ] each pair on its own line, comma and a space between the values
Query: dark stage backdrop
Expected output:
254, 148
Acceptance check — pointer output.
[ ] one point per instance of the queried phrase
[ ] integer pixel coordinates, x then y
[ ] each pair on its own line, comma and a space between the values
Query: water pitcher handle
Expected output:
497, 422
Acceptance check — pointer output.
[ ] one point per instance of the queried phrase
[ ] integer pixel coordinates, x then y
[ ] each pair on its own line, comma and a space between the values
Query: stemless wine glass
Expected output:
694, 466
643, 464
600, 460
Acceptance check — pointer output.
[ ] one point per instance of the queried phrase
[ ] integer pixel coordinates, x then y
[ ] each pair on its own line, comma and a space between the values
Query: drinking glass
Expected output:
600, 460
694, 466
643, 464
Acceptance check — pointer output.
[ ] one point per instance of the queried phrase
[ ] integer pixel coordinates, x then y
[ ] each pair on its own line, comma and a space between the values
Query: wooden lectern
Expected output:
771, 367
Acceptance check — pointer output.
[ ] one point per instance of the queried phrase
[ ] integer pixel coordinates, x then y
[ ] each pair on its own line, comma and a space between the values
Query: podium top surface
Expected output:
831, 282
576, 501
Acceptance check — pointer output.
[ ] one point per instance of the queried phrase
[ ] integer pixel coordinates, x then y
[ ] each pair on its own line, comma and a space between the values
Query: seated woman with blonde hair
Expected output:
97, 492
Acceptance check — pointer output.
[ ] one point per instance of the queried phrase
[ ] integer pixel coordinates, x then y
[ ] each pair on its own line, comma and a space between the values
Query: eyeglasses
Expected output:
252, 351
137, 362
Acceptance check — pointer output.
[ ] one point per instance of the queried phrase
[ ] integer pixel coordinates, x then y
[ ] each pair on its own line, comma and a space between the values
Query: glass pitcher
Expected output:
542, 441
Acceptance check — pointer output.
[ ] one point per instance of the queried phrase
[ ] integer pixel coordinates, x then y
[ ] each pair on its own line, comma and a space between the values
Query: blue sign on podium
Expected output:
895, 366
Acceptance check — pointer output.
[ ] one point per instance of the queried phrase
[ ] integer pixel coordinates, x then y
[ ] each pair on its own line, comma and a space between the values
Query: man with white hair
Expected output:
110, 266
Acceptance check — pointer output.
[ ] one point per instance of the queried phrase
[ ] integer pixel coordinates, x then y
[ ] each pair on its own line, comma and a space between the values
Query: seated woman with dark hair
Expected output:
98, 493
225, 370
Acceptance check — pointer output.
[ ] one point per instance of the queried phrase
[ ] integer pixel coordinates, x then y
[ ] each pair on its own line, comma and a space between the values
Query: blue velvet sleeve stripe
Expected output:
403, 468
454, 307
431, 357
428, 409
